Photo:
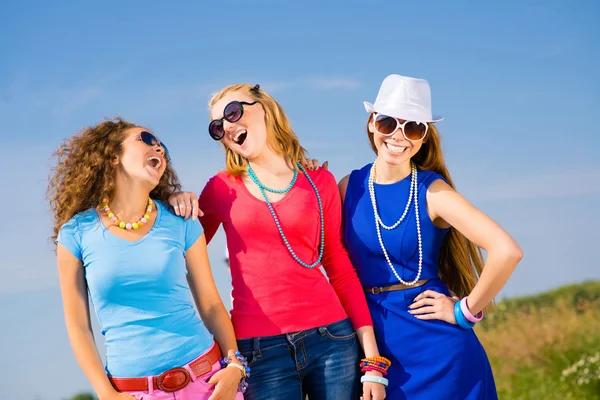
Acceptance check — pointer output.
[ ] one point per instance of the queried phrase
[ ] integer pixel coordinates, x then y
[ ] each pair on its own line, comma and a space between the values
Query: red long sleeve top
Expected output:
272, 293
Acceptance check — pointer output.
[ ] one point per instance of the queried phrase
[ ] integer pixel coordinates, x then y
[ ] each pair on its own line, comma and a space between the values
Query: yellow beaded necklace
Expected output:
127, 225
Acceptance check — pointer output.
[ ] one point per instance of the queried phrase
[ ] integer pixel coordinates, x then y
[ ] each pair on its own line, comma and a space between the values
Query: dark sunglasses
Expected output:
232, 113
411, 130
152, 141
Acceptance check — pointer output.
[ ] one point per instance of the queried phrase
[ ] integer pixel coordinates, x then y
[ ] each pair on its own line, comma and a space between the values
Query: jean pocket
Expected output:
340, 330
250, 357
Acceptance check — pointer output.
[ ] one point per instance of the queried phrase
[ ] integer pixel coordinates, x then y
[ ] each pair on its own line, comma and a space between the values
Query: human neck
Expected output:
271, 162
386, 173
129, 201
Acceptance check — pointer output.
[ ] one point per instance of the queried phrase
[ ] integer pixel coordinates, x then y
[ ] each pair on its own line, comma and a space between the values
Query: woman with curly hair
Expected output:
140, 264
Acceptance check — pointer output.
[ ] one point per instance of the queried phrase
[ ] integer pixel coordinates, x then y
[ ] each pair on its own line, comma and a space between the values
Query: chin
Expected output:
151, 182
392, 160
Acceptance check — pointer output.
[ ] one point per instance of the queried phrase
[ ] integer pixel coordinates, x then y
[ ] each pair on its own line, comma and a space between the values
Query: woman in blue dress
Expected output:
415, 242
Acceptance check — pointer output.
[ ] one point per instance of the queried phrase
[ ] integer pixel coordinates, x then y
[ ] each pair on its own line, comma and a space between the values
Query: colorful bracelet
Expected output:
374, 379
377, 360
377, 363
226, 361
461, 320
368, 368
464, 306
370, 364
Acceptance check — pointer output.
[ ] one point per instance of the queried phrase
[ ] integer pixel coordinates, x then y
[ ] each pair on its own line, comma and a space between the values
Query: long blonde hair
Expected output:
280, 136
461, 261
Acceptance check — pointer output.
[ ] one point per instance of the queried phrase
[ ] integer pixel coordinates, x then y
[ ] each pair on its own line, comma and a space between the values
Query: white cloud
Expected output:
333, 83
57, 100
313, 83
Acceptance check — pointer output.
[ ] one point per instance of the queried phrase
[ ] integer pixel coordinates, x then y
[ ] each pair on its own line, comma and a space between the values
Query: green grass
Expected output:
531, 340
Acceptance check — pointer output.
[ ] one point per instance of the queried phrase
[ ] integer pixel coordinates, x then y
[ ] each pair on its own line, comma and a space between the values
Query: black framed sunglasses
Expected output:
152, 141
233, 112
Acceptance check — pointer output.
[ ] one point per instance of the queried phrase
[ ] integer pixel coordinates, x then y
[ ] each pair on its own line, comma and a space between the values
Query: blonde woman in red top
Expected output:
298, 329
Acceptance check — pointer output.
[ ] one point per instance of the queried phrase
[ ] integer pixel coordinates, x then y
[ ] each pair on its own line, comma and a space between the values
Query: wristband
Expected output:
464, 306
238, 366
460, 317
374, 379
226, 363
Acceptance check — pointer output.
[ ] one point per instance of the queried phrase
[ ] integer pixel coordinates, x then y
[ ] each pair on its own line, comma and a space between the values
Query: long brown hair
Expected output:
84, 172
461, 261
280, 136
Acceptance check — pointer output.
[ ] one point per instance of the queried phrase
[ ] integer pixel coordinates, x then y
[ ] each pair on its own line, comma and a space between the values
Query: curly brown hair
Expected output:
84, 172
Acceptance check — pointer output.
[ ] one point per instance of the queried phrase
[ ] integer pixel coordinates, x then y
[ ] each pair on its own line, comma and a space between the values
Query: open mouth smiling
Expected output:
154, 161
240, 137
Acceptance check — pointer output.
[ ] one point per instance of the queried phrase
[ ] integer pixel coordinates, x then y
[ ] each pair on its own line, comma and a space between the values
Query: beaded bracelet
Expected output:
226, 362
464, 306
377, 360
461, 320
377, 363
374, 368
365, 366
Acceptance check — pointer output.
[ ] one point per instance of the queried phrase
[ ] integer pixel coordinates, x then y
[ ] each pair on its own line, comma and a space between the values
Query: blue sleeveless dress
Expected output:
430, 359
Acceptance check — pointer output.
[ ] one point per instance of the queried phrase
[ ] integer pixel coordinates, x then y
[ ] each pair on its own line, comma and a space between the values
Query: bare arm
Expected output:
365, 334
77, 318
205, 207
503, 252
211, 308
213, 313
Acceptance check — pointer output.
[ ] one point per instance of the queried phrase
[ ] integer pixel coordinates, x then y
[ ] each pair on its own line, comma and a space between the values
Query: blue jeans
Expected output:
322, 363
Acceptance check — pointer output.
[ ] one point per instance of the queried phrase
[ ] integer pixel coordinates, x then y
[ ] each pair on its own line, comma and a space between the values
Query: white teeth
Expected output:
237, 135
154, 158
395, 149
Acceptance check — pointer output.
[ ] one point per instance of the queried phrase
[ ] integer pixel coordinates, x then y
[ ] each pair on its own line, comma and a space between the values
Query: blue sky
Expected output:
515, 80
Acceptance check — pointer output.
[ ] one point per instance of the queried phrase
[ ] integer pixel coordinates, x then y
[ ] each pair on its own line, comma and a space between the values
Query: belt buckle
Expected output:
173, 380
376, 290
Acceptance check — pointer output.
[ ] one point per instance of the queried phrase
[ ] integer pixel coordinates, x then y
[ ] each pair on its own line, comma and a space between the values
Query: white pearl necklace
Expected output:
379, 222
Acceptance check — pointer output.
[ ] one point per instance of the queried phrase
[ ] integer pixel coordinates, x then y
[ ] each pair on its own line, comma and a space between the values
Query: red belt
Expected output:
171, 380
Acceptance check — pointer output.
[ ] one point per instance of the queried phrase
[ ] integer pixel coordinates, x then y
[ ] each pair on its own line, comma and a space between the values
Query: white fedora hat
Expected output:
404, 98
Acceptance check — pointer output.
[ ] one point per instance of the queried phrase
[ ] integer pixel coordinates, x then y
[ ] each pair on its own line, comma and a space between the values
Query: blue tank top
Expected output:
401, 243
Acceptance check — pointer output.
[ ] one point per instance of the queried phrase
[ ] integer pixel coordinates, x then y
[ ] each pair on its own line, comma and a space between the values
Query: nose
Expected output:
228, 127
398, 136
159, 149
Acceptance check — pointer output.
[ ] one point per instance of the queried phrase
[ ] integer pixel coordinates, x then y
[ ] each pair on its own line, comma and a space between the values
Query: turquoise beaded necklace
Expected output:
264, 188
254, 178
